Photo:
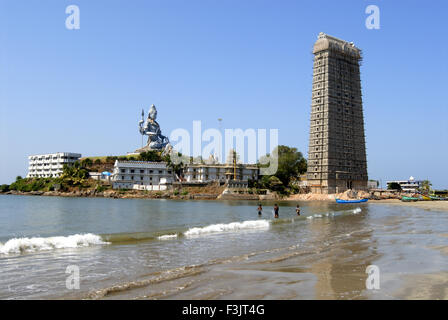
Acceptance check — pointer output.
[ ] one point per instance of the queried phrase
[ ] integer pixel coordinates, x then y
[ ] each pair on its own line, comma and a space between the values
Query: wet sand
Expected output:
425, 205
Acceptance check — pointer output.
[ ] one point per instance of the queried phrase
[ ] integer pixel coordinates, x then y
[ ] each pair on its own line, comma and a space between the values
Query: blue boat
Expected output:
351, 201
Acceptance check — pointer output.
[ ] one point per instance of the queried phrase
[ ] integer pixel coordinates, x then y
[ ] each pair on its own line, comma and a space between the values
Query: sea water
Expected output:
169, 249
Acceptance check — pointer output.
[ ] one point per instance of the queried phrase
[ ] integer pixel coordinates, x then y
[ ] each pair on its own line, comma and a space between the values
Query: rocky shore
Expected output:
208, 193
110, 194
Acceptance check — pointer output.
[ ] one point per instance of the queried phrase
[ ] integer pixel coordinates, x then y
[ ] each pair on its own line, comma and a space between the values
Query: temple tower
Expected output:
337, 151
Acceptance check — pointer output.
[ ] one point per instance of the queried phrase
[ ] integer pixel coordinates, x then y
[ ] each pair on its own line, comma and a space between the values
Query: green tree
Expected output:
177, 167
87, 162
275, 184
426, 186
291, 163
150, 155
75, 174
394, 186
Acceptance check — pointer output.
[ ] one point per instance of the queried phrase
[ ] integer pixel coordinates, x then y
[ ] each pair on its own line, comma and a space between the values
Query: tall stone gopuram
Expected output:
337, 151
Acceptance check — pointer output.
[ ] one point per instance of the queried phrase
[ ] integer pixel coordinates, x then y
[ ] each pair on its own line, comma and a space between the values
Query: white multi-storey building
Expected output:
220, 172
410, 185
142, 175
50, 165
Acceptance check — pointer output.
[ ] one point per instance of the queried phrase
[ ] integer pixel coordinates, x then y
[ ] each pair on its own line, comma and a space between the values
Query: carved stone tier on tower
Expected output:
337, 152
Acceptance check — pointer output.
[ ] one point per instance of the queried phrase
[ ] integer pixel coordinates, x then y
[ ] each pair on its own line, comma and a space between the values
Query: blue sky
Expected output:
247, 62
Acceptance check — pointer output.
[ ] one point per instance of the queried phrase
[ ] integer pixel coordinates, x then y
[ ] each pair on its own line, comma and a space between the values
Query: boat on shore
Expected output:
436, 198
351, 201
409, 199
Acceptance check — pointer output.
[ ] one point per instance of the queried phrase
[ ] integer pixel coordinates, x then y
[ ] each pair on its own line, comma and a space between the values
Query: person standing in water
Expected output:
298, 210
260, 209
276, 208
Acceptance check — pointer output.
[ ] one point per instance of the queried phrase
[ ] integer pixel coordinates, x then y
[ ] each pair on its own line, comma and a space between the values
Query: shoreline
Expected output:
425, 205
439, 205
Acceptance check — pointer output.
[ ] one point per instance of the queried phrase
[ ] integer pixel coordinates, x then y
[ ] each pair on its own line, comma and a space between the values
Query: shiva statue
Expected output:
150, 127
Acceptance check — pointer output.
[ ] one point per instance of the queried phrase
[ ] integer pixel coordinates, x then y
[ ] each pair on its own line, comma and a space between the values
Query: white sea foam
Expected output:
21, 245
167, 236
357, 210
229, 227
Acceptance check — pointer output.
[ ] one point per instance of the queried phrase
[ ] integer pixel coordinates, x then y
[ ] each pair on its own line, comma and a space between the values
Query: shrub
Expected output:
100, 188
87, 162
4, 188
151, 155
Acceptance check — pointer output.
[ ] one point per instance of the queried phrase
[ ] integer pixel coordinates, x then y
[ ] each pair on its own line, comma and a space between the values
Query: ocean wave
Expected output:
332, 214
233, 226
167, 237
23, 245
320, 215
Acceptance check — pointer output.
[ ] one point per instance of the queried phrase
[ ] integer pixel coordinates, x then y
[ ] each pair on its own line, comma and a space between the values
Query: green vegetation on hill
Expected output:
32, 184
291, 164
73, 176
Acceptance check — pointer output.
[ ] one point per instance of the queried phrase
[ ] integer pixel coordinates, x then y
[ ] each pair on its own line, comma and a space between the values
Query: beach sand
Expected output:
425, 205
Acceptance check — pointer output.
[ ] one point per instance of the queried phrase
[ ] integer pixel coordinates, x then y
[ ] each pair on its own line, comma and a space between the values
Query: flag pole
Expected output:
143, 116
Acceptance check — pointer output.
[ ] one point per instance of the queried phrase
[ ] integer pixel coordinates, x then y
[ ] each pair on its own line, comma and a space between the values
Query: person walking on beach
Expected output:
260, 209
298, 210
276, 208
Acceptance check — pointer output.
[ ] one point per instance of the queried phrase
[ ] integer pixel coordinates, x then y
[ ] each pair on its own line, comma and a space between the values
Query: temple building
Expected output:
142, 175
220, 172
337, 153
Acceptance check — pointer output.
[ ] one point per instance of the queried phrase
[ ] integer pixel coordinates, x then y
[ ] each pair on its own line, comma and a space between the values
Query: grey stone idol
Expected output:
150, 127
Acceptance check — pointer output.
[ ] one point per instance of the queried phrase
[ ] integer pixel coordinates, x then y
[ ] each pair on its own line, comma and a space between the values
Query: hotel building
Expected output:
410, 185
50, 165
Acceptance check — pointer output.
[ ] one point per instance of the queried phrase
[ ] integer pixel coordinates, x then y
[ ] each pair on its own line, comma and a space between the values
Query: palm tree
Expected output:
426, 186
